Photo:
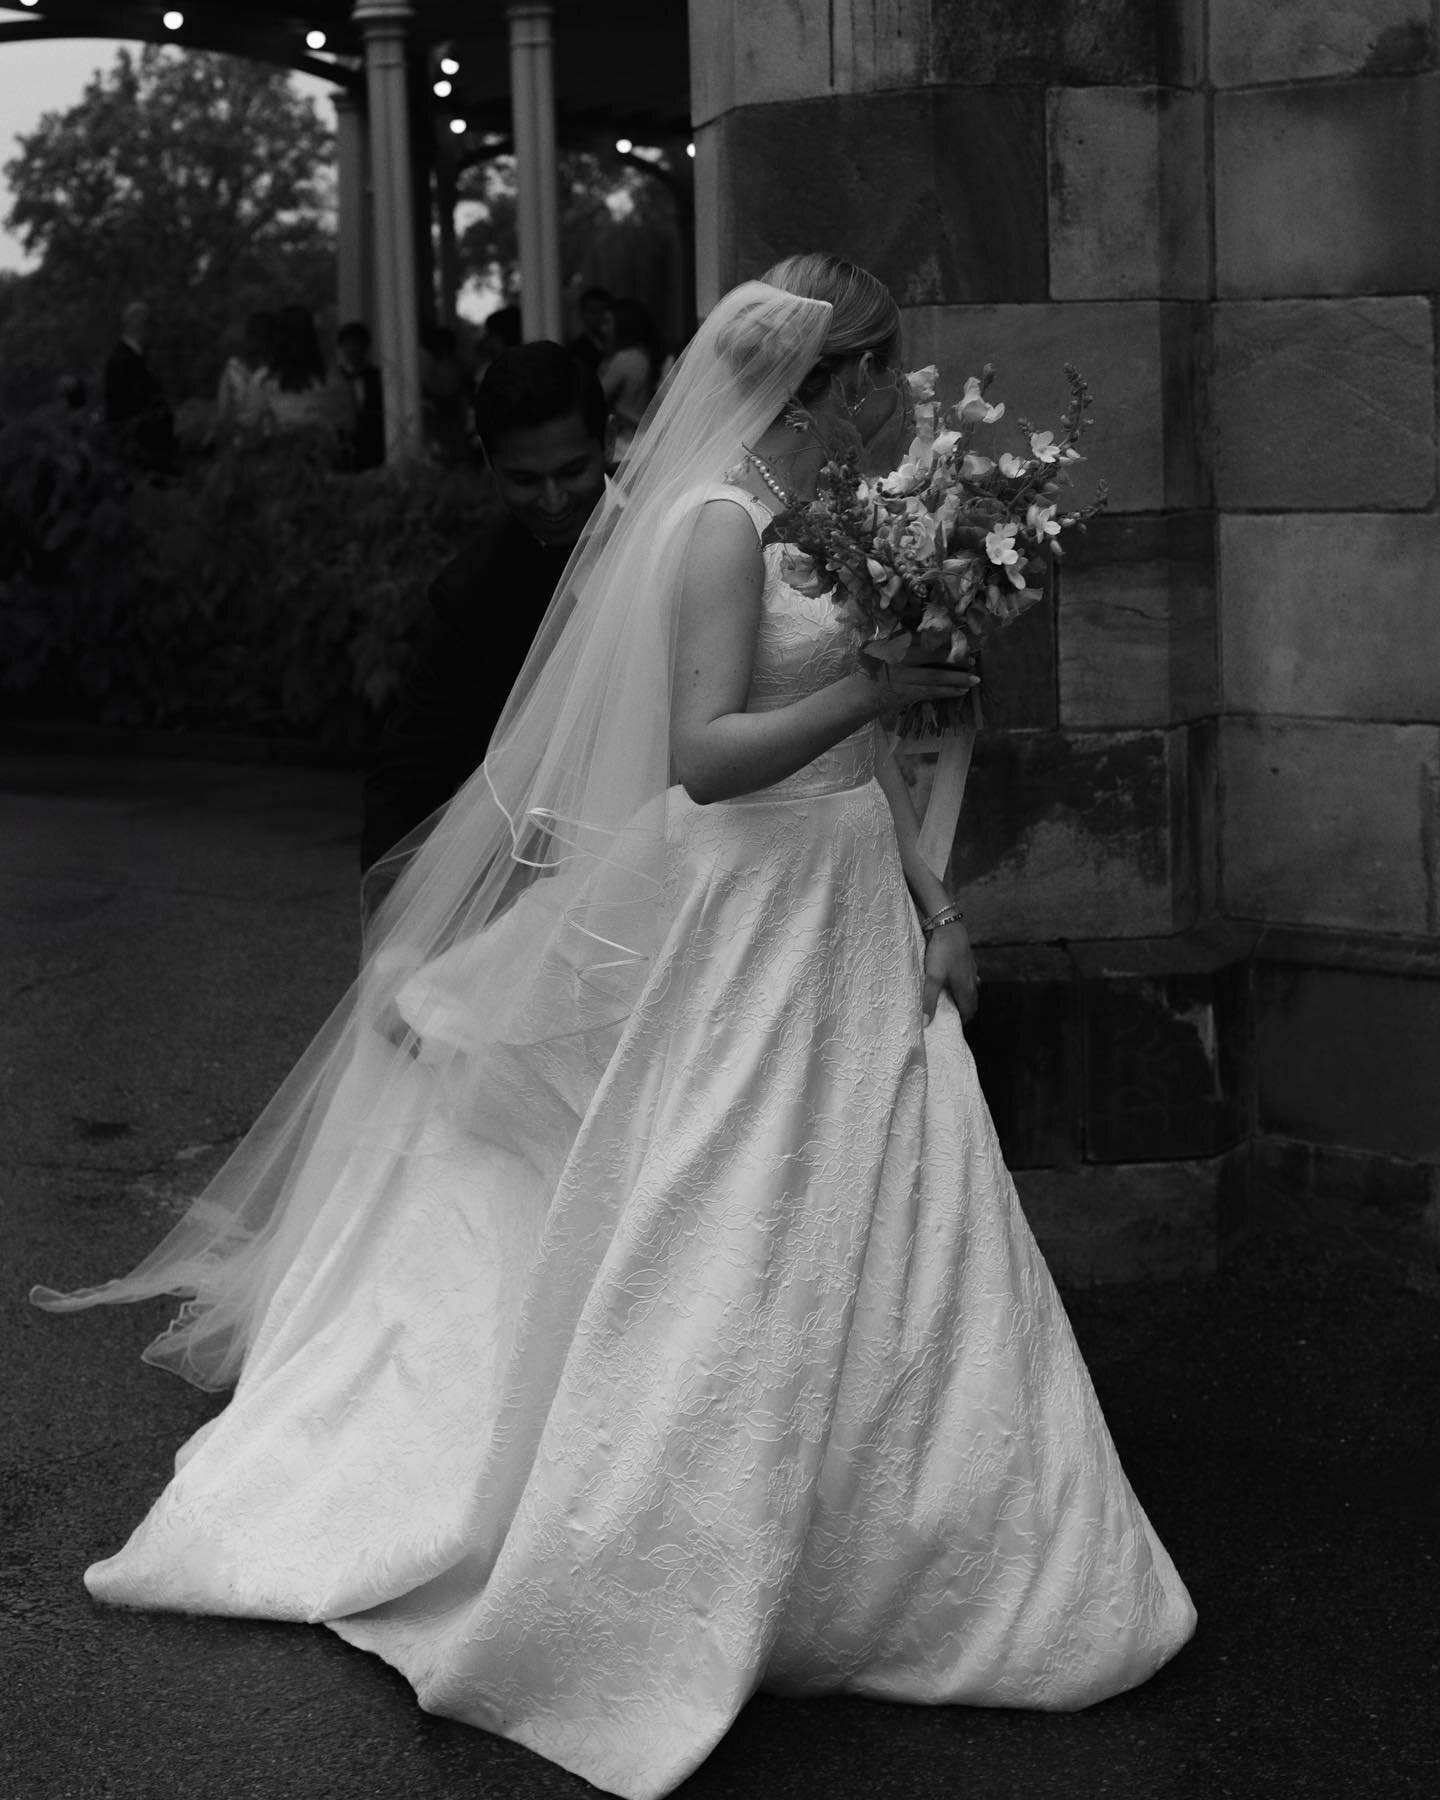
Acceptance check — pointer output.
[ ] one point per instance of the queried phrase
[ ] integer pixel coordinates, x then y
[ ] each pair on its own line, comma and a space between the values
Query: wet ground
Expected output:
170, 936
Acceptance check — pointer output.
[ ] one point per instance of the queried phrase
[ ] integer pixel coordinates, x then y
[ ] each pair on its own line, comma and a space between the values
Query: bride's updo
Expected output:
864, 315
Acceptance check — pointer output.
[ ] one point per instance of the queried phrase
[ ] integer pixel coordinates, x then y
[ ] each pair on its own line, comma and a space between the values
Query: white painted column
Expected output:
385, 25
532, 102
354, 246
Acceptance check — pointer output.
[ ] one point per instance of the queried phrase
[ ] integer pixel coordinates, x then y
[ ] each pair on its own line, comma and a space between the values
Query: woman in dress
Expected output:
299, 397
629, 1301
247, 386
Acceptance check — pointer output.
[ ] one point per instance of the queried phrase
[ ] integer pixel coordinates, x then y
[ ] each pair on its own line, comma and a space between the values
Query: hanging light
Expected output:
172, 21
459, 127
442, 89
449, 66
315, 40
29, 2
690, 150
624, 146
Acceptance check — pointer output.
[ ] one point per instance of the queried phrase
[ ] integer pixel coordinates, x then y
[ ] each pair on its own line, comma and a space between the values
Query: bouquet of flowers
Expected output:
924, 563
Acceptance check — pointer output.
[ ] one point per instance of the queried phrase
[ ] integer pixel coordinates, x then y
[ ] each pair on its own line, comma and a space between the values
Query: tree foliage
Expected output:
198, 182
613, 217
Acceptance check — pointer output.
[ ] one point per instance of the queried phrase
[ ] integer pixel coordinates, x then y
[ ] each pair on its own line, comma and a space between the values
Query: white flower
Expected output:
975, 468
921, 382
973, 408
1000, 545
1012, 467
946, 442
1046, 450
1042, 523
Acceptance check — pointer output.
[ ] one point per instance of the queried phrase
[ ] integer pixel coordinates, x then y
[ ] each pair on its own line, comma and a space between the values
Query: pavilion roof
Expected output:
620, 65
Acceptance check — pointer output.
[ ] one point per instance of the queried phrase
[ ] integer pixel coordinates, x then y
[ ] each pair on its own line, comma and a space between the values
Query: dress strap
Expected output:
760, 513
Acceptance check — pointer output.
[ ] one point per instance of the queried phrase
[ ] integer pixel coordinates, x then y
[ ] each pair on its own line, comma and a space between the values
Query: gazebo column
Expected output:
385, 25
532, 100
355, 248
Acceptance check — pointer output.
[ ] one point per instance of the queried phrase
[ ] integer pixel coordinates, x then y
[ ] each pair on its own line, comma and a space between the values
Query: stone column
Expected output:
385, 24
355, 247
532, 97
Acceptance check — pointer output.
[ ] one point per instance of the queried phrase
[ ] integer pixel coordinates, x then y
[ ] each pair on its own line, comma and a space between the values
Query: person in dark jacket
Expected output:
540, 418
139, 416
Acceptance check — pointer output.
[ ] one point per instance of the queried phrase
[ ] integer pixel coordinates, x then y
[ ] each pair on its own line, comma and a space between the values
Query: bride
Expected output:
629, 1303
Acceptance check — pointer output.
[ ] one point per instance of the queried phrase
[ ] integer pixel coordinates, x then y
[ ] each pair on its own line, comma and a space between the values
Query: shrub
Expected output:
260, 591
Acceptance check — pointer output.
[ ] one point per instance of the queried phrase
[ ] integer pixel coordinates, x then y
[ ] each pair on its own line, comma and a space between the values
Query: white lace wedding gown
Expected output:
762, 1381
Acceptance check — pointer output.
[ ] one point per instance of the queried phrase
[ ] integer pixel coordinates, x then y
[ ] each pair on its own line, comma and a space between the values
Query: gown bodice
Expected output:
800, 647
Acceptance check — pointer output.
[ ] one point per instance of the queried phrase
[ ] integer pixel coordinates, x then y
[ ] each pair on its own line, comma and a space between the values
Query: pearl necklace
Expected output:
767, 475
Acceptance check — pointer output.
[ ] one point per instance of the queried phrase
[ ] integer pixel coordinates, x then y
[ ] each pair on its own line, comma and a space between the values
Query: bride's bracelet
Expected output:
947, 915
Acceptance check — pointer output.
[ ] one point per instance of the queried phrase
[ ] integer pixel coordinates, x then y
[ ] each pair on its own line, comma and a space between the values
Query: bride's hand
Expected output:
950, 963
897, 685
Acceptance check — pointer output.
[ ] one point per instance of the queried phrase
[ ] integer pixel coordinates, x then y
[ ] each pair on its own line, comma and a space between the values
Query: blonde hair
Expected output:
864, 316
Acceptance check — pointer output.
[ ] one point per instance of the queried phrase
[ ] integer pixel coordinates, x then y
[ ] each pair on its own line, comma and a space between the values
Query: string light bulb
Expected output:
449, 66
315, 40
172, 21
624, 146
442, 88
459, 127
690, 150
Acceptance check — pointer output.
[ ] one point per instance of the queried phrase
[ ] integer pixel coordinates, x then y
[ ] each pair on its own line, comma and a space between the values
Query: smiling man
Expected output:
540, 416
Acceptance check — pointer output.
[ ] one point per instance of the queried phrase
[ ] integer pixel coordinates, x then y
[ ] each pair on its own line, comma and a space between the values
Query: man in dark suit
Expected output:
363, 432
540, 417
136, 409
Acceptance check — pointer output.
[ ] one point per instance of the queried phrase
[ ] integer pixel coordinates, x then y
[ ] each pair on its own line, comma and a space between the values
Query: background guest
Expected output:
135, 406
299, 399
592, 346
361, 407
242, 401
444, 392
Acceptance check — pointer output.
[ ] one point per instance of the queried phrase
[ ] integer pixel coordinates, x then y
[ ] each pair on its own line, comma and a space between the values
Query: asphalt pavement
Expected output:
171, 934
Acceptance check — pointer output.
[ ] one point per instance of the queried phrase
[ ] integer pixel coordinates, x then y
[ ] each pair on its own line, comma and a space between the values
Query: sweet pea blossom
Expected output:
1046, 450
921, 382
1000, 544
973, 408
1042, 523
1012, 467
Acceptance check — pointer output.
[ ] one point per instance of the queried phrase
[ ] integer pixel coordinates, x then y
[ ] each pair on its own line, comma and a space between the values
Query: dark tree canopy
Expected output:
198, 182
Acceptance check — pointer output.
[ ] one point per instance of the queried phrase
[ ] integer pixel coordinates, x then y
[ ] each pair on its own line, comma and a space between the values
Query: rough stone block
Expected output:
1131, 353
1066, 836
1296, 379
1161, 1057
1136, 621
1136, 1222
1114, 41
1026, 1041
1358, 1200
1328, 189
1128, 199
1332, 615
940, 193
753, 52
1349, 1058
1331, 824
1256, 40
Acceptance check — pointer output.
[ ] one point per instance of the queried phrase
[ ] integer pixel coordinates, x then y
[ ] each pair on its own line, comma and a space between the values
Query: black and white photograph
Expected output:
719, 899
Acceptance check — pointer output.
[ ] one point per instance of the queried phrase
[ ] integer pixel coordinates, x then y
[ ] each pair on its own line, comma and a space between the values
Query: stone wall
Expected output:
1224, 212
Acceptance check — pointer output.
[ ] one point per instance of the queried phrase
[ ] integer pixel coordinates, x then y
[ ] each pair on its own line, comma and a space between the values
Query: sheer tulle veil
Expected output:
526, 921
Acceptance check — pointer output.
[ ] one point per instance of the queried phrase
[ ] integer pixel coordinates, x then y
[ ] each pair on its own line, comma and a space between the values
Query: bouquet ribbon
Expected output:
947, 792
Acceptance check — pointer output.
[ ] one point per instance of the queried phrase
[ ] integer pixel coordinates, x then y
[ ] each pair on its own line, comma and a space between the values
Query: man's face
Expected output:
596, 317
550, 476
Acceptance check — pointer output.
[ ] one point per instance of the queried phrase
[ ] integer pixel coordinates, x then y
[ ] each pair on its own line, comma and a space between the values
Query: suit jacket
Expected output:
136, 408
485, 607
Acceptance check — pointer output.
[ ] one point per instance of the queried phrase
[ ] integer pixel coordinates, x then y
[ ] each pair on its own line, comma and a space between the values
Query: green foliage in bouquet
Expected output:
262, 592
